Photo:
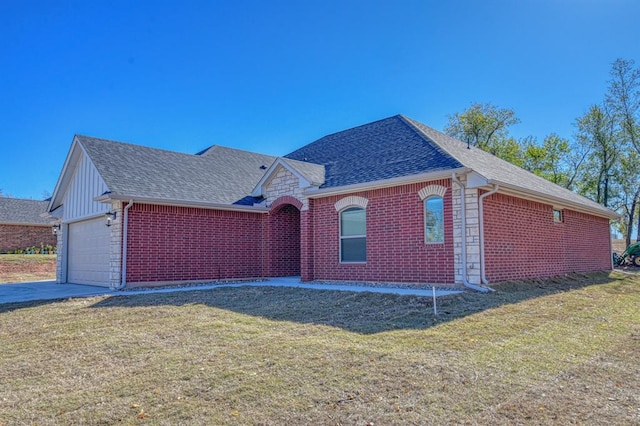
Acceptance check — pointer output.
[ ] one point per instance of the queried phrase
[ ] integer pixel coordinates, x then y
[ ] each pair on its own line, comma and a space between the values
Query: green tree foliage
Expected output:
596, 131
629, 194
550, 160
623, 99
601, 161
483, 125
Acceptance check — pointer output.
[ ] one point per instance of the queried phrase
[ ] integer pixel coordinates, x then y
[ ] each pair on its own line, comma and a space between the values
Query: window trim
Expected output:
558, 216
424, 219
347, 237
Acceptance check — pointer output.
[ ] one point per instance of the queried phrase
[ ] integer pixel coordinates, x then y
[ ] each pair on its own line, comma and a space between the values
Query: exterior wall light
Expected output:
111, 217
55, 229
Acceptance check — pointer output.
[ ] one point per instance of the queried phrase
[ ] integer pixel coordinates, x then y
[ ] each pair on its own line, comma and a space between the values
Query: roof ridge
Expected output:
240, 150
413, 124
349, 129
2, 197
151, 148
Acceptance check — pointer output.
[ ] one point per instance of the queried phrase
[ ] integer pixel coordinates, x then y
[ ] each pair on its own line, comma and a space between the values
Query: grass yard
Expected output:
539, 352
15, 268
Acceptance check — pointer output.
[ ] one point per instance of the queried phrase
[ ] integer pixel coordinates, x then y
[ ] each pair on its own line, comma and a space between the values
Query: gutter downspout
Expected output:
495, 189
463, 236
125, 234
611, 247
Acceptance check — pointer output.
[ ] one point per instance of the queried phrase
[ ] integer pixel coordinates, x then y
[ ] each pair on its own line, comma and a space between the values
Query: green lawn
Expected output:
540, 352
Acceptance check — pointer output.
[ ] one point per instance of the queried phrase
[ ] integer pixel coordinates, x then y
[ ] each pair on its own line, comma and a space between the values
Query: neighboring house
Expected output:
22, 226
390, 201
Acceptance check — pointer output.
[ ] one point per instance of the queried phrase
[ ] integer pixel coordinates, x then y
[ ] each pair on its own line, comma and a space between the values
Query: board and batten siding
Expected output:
86, 184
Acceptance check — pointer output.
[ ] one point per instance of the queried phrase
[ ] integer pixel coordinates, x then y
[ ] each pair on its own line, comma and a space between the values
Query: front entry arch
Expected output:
284, 241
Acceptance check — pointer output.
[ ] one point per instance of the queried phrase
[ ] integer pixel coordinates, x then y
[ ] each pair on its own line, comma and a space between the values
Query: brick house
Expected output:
390, 201
22, 226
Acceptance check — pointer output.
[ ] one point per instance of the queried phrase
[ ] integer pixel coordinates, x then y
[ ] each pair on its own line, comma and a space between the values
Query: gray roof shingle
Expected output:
314, 173
389, 148
399, 146
501, 171
18, 211
380, 150
223, 175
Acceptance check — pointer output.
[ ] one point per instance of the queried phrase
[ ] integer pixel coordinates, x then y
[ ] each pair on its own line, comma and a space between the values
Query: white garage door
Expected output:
88, 253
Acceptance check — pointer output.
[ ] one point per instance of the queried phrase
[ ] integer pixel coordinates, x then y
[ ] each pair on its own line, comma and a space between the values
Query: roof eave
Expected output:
108, 198
510, 189
384, 183
44, 225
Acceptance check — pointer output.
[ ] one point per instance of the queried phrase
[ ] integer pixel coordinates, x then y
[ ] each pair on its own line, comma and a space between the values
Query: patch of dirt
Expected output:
22, 268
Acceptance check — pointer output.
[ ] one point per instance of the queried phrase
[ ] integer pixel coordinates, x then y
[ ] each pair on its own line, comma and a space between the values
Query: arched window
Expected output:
353, 235
433, 220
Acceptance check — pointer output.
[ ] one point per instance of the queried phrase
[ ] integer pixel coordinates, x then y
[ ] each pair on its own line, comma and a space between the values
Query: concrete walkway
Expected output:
50, 290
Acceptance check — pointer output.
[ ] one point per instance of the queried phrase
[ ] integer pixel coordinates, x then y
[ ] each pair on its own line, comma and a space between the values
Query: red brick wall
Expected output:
523, 241
396, 251
284, 241
177, 243
14, 237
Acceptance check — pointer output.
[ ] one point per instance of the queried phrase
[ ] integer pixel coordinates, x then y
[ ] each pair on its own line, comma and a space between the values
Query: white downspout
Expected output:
463, 253
483, 277
611, 248
125, 235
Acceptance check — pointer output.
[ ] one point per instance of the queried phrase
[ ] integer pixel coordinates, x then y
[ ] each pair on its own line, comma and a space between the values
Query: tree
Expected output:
623, 99
549, 160
485, 126
629, 181
596, 132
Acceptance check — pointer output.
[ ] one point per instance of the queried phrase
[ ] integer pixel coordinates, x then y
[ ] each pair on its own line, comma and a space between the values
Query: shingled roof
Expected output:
380, 150
18, 211
389, 149
498, 171
220, 176
398, 147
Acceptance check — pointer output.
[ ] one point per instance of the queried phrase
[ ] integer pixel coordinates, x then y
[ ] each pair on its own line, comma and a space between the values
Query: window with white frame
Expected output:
433, 220
353, 235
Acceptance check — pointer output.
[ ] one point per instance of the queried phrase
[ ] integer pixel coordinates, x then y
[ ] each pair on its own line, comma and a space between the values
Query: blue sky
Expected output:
271, 76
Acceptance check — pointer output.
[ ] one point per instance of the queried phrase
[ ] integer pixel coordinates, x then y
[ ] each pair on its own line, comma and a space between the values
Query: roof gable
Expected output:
384, 149
308, 174
222, 176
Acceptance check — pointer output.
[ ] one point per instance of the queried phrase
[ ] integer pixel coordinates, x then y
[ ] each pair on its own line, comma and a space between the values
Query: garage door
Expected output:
88, 253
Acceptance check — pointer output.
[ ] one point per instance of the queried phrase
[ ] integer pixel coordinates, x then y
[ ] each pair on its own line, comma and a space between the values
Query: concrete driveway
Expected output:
50, 290
47, 290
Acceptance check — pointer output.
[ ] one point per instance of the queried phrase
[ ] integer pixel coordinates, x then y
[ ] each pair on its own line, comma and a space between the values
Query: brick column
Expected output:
306, 244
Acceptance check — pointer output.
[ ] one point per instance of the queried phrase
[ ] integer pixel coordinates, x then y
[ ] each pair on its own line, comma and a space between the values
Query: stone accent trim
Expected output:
472, 234
285, 183
430, 190
351, 201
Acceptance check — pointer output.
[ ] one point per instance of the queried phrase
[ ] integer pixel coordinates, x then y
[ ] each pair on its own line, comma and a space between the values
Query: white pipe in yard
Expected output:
483, 276
435, 309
